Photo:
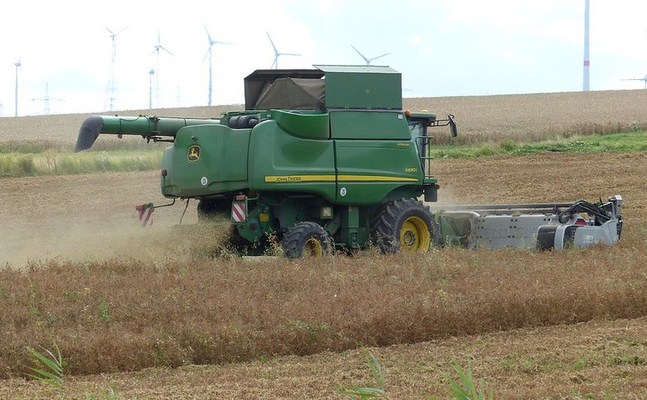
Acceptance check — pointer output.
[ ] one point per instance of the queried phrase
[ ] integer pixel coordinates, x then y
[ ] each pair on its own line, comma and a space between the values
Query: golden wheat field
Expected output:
480, 118
147, 313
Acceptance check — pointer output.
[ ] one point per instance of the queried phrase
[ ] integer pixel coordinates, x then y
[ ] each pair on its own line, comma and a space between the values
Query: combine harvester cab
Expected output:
327, 158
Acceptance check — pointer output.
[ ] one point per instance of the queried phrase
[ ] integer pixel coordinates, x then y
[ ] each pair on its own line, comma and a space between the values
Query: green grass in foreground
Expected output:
620, 142
57, 163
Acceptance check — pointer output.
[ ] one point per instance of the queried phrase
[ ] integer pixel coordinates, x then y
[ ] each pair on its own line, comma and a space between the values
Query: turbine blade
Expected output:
274, 47
163, 48
208, 35
362, 55
375, 58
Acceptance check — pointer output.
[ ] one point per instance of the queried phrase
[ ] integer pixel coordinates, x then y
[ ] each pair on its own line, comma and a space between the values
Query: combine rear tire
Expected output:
405, 225
306, 239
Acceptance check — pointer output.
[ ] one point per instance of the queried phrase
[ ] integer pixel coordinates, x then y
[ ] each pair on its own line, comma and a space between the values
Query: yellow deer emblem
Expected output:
193, 153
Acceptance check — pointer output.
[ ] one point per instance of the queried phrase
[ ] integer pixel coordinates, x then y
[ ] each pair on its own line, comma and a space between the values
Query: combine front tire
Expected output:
306, 239
406, 225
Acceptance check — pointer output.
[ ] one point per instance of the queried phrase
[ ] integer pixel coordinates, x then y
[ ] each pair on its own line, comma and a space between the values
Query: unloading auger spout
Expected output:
149, 128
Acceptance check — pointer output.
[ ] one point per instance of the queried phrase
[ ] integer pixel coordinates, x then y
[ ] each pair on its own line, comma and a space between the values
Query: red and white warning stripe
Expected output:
238, 212
145, 213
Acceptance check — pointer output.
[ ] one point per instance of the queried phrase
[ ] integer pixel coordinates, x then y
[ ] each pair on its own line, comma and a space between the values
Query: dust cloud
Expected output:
57, 237
93, 218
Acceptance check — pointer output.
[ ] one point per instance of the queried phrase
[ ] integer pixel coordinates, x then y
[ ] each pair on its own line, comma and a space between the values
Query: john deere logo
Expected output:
193, 154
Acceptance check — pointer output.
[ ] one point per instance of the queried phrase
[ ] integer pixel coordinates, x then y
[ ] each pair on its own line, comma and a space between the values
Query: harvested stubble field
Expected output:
147, 312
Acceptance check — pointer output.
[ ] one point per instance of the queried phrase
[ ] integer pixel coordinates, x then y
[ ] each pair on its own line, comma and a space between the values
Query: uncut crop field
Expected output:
480, 118
161, 312
539, 116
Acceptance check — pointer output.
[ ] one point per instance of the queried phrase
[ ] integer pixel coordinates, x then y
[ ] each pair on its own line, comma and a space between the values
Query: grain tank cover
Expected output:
294, 89
342, 87
293, 94
362, 87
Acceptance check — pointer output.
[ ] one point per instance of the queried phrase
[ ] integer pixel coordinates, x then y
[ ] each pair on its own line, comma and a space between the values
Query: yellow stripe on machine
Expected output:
299, 178
331, 178
373, 178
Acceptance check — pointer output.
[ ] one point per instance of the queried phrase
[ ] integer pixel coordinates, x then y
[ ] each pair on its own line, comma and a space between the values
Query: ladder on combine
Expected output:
418, 125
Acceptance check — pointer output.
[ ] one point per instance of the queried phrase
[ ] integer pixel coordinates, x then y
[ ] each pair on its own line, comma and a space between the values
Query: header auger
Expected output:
327, 158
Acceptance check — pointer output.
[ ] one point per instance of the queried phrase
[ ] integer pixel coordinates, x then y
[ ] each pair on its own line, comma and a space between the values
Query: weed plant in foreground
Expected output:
129, 314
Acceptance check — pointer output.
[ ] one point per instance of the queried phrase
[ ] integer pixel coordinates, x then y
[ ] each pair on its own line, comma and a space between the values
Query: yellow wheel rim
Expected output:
414, 235
312, 248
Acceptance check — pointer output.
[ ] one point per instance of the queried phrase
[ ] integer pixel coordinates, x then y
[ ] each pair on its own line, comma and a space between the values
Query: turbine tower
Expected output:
209, 53
17, 64
368, 60
587, 63
112, 85
275, 64
150, 88
156, 50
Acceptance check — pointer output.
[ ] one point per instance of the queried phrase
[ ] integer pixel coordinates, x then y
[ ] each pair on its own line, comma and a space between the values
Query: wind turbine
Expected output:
17, 64
112, 85
156, 50
275, 64
368, 60
209, 53
644, 79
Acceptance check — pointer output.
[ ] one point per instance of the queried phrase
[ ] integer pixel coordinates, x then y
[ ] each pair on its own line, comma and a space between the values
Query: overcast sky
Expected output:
441, 47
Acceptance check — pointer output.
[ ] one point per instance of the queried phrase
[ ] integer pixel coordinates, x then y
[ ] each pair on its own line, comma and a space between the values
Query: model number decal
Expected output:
411, 170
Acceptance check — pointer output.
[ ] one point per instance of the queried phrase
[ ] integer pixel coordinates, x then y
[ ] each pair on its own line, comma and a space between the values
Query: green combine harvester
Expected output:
327, 158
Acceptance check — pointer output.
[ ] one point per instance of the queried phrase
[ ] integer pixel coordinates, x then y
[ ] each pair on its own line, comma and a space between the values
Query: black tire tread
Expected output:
294, 239
384, 225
